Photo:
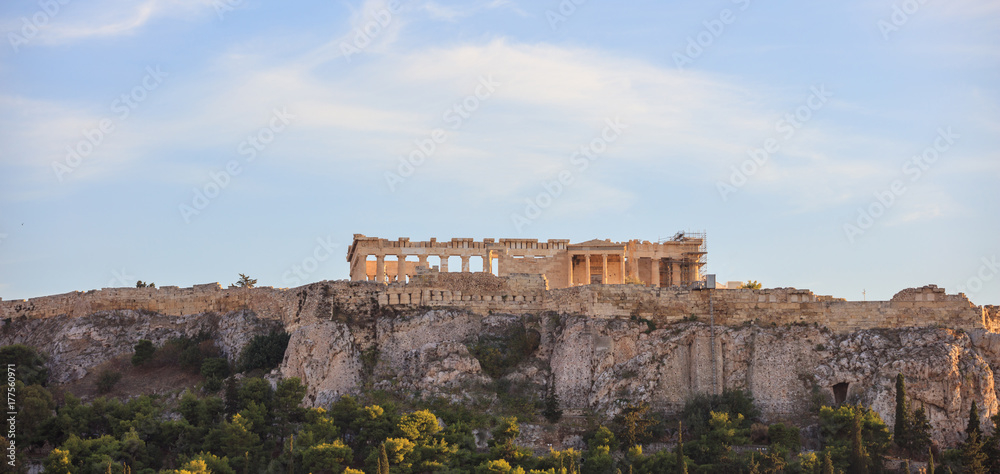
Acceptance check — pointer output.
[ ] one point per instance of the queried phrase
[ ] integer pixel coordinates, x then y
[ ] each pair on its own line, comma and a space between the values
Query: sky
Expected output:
847, 147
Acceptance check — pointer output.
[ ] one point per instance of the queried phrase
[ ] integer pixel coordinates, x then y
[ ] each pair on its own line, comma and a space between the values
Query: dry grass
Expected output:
135, 381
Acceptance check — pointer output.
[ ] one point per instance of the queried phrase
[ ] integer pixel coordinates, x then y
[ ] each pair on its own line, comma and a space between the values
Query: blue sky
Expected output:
842, 147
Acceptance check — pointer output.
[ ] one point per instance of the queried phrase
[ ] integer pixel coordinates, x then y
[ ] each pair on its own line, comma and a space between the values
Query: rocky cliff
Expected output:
345, 343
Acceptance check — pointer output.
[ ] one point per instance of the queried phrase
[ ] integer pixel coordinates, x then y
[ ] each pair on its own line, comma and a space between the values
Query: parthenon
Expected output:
671, 262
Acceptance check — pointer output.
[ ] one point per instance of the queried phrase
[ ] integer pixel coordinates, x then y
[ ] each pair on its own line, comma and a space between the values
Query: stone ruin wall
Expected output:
525, 293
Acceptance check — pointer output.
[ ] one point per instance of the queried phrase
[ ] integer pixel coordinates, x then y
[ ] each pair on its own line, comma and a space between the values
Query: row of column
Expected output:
604, 267
380, 272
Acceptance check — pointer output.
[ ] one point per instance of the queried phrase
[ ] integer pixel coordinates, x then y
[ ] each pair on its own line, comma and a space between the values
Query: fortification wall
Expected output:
522, 294
268, 303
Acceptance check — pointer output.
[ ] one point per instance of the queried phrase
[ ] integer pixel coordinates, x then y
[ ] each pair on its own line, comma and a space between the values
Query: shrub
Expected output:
215, 367
144, 351
107, 380
264, 352
499, 355
697, 410
785, 436
212, 385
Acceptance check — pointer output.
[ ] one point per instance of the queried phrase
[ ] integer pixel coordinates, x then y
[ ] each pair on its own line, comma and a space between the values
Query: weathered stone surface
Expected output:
786, 346
75, 345
324, 357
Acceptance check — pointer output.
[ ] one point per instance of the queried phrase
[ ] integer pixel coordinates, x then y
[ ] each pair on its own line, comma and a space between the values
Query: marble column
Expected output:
569, 271
380, 268
604, 269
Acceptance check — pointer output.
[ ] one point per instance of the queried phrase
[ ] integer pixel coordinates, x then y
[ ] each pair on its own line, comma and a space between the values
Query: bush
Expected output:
499, 355
785, 436
144, 351
107, 380
212, 385
29, 362
697, 410
264, 352
215, 367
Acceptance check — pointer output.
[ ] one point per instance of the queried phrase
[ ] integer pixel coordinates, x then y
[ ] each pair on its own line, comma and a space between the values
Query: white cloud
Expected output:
111, 18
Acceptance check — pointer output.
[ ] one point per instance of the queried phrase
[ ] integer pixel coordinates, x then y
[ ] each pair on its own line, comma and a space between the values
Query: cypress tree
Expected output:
973, 425
930, 461
383, 460
827, 463
859, 456
901, 427
973, 459
920, 431
681, 467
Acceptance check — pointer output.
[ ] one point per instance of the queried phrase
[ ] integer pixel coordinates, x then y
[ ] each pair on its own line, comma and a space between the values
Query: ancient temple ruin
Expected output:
677, 261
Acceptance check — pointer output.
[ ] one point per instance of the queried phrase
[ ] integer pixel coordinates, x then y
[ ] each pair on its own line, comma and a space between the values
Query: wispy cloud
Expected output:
110, 18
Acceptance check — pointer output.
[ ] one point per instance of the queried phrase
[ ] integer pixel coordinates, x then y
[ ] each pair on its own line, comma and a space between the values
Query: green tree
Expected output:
633, 424
827, 463
837, 430
551, 410
502, 445
383, 460
679, 451
36, 408
973, 458
30, 363
973, 425
751, 285
859, 461
264, 351
245, 282
901, 426
419, 425
144, 351
920, 431
327, 457
287, 398
991, 445
930, 461
59, 461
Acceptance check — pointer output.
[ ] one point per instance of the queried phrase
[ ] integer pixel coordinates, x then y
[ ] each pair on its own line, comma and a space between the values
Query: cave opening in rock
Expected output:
840, 392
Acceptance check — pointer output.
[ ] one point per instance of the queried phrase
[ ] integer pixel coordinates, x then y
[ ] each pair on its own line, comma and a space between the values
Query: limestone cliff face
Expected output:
598, 363
77, 344
592, 363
